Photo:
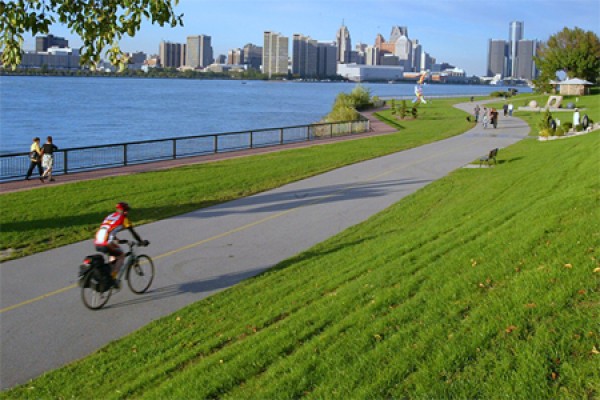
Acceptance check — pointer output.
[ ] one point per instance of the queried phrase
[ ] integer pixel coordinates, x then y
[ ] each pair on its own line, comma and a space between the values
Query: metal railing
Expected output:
14, 166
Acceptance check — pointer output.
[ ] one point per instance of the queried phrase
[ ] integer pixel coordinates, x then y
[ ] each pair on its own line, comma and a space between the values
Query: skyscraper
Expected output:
275, 54
398, 31
304, 56
497, 58
525, 66
344, 45
199, 52
253, 56
326, 59
172, 55
42, 43
515, 34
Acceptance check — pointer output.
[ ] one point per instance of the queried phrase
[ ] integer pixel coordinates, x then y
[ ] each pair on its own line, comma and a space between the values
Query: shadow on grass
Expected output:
206, 286
259, 203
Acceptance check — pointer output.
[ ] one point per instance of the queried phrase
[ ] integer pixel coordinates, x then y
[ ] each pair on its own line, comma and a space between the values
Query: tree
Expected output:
575, 52
99, 23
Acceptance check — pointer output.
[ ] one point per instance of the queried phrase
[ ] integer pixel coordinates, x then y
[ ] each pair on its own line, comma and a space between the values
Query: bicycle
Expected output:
97, 285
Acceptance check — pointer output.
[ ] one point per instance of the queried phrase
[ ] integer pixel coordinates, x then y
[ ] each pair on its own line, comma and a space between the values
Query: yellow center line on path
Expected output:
238, 229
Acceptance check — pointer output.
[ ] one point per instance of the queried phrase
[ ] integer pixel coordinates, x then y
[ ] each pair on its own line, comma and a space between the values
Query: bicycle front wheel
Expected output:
140, 274
92, 298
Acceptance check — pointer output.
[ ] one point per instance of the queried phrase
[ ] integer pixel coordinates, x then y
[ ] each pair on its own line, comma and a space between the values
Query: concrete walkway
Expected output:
44, 325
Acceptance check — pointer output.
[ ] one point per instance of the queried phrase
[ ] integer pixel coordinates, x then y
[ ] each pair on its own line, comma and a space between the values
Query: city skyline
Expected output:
234, 23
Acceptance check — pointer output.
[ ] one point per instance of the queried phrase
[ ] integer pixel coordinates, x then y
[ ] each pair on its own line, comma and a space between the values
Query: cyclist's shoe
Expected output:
116, 284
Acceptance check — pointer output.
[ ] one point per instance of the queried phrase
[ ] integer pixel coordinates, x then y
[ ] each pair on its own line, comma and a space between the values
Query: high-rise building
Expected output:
172, 55
515, 34
344, 45
372, 56
326, 59
275, 54
525, 66
416, 56
404, 51
235, 57
199, 52
497, 58
398, 31
304, 56
253, 56
43, 43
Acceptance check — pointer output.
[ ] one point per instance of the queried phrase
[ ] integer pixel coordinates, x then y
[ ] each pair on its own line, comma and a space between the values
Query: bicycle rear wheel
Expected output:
93, 299
140, 274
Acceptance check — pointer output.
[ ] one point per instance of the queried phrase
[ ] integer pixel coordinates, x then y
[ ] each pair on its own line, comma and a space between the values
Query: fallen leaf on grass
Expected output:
582, 291
510, 329
597, 269
595, 350
473, 262
569, 266
531, 305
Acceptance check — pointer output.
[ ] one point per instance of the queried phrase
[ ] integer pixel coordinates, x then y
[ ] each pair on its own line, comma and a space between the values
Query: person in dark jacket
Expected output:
48, 150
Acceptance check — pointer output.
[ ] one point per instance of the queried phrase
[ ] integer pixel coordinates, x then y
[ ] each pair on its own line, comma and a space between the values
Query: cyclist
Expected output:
106, 240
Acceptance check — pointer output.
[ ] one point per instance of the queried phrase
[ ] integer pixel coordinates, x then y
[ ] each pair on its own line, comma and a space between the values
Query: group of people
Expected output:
490, 116
41, 157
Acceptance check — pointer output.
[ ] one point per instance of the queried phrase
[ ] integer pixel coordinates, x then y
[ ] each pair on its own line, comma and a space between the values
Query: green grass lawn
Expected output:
484, 284
54, 216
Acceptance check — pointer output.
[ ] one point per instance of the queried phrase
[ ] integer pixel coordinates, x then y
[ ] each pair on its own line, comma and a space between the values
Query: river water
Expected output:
84, 111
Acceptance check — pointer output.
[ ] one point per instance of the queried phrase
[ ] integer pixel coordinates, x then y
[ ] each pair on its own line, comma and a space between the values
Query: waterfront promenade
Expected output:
45, 326
377, 128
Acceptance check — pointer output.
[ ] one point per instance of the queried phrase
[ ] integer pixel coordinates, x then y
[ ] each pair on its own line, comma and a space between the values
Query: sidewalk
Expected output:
377, 128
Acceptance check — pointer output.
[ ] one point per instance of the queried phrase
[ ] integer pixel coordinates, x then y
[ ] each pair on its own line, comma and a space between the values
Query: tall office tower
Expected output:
253, 56
344, 45
497, 58
397, 32
304, 56
235, 57
275, 54
199, 51
372, 56
172, 55
43, 43
403, 50
525, 66
326, 60
416, 56
426, 61
515, 34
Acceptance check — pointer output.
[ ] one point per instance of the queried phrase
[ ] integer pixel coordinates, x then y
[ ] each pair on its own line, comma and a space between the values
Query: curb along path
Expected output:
45, 325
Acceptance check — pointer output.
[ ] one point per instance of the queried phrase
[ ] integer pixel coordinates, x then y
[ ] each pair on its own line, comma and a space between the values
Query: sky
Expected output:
452, 31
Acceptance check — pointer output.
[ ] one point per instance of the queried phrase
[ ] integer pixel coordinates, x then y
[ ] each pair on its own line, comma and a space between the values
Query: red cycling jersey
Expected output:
111, 225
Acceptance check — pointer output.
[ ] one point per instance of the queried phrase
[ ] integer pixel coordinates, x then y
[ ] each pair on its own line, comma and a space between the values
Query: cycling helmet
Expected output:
123, 206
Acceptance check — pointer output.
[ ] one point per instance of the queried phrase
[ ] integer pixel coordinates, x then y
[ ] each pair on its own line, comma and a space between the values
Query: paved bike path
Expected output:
44, 325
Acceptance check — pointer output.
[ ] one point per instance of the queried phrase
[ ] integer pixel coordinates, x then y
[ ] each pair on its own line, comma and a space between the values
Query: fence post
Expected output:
65, 161
331, 130
215, 145
280, 135
251, 139
125, 154
308, 133
174, 149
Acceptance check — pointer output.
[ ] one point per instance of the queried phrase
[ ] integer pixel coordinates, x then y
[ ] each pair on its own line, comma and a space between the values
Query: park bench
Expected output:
487, 159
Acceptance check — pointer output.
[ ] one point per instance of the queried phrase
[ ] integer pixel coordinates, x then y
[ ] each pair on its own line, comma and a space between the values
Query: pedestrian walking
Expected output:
35, 158
477, 110
510, 109
505, 109
48, 150
494, 117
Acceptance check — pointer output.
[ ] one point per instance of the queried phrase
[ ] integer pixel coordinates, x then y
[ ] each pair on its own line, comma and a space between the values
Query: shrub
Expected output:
559, 131
567, 126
